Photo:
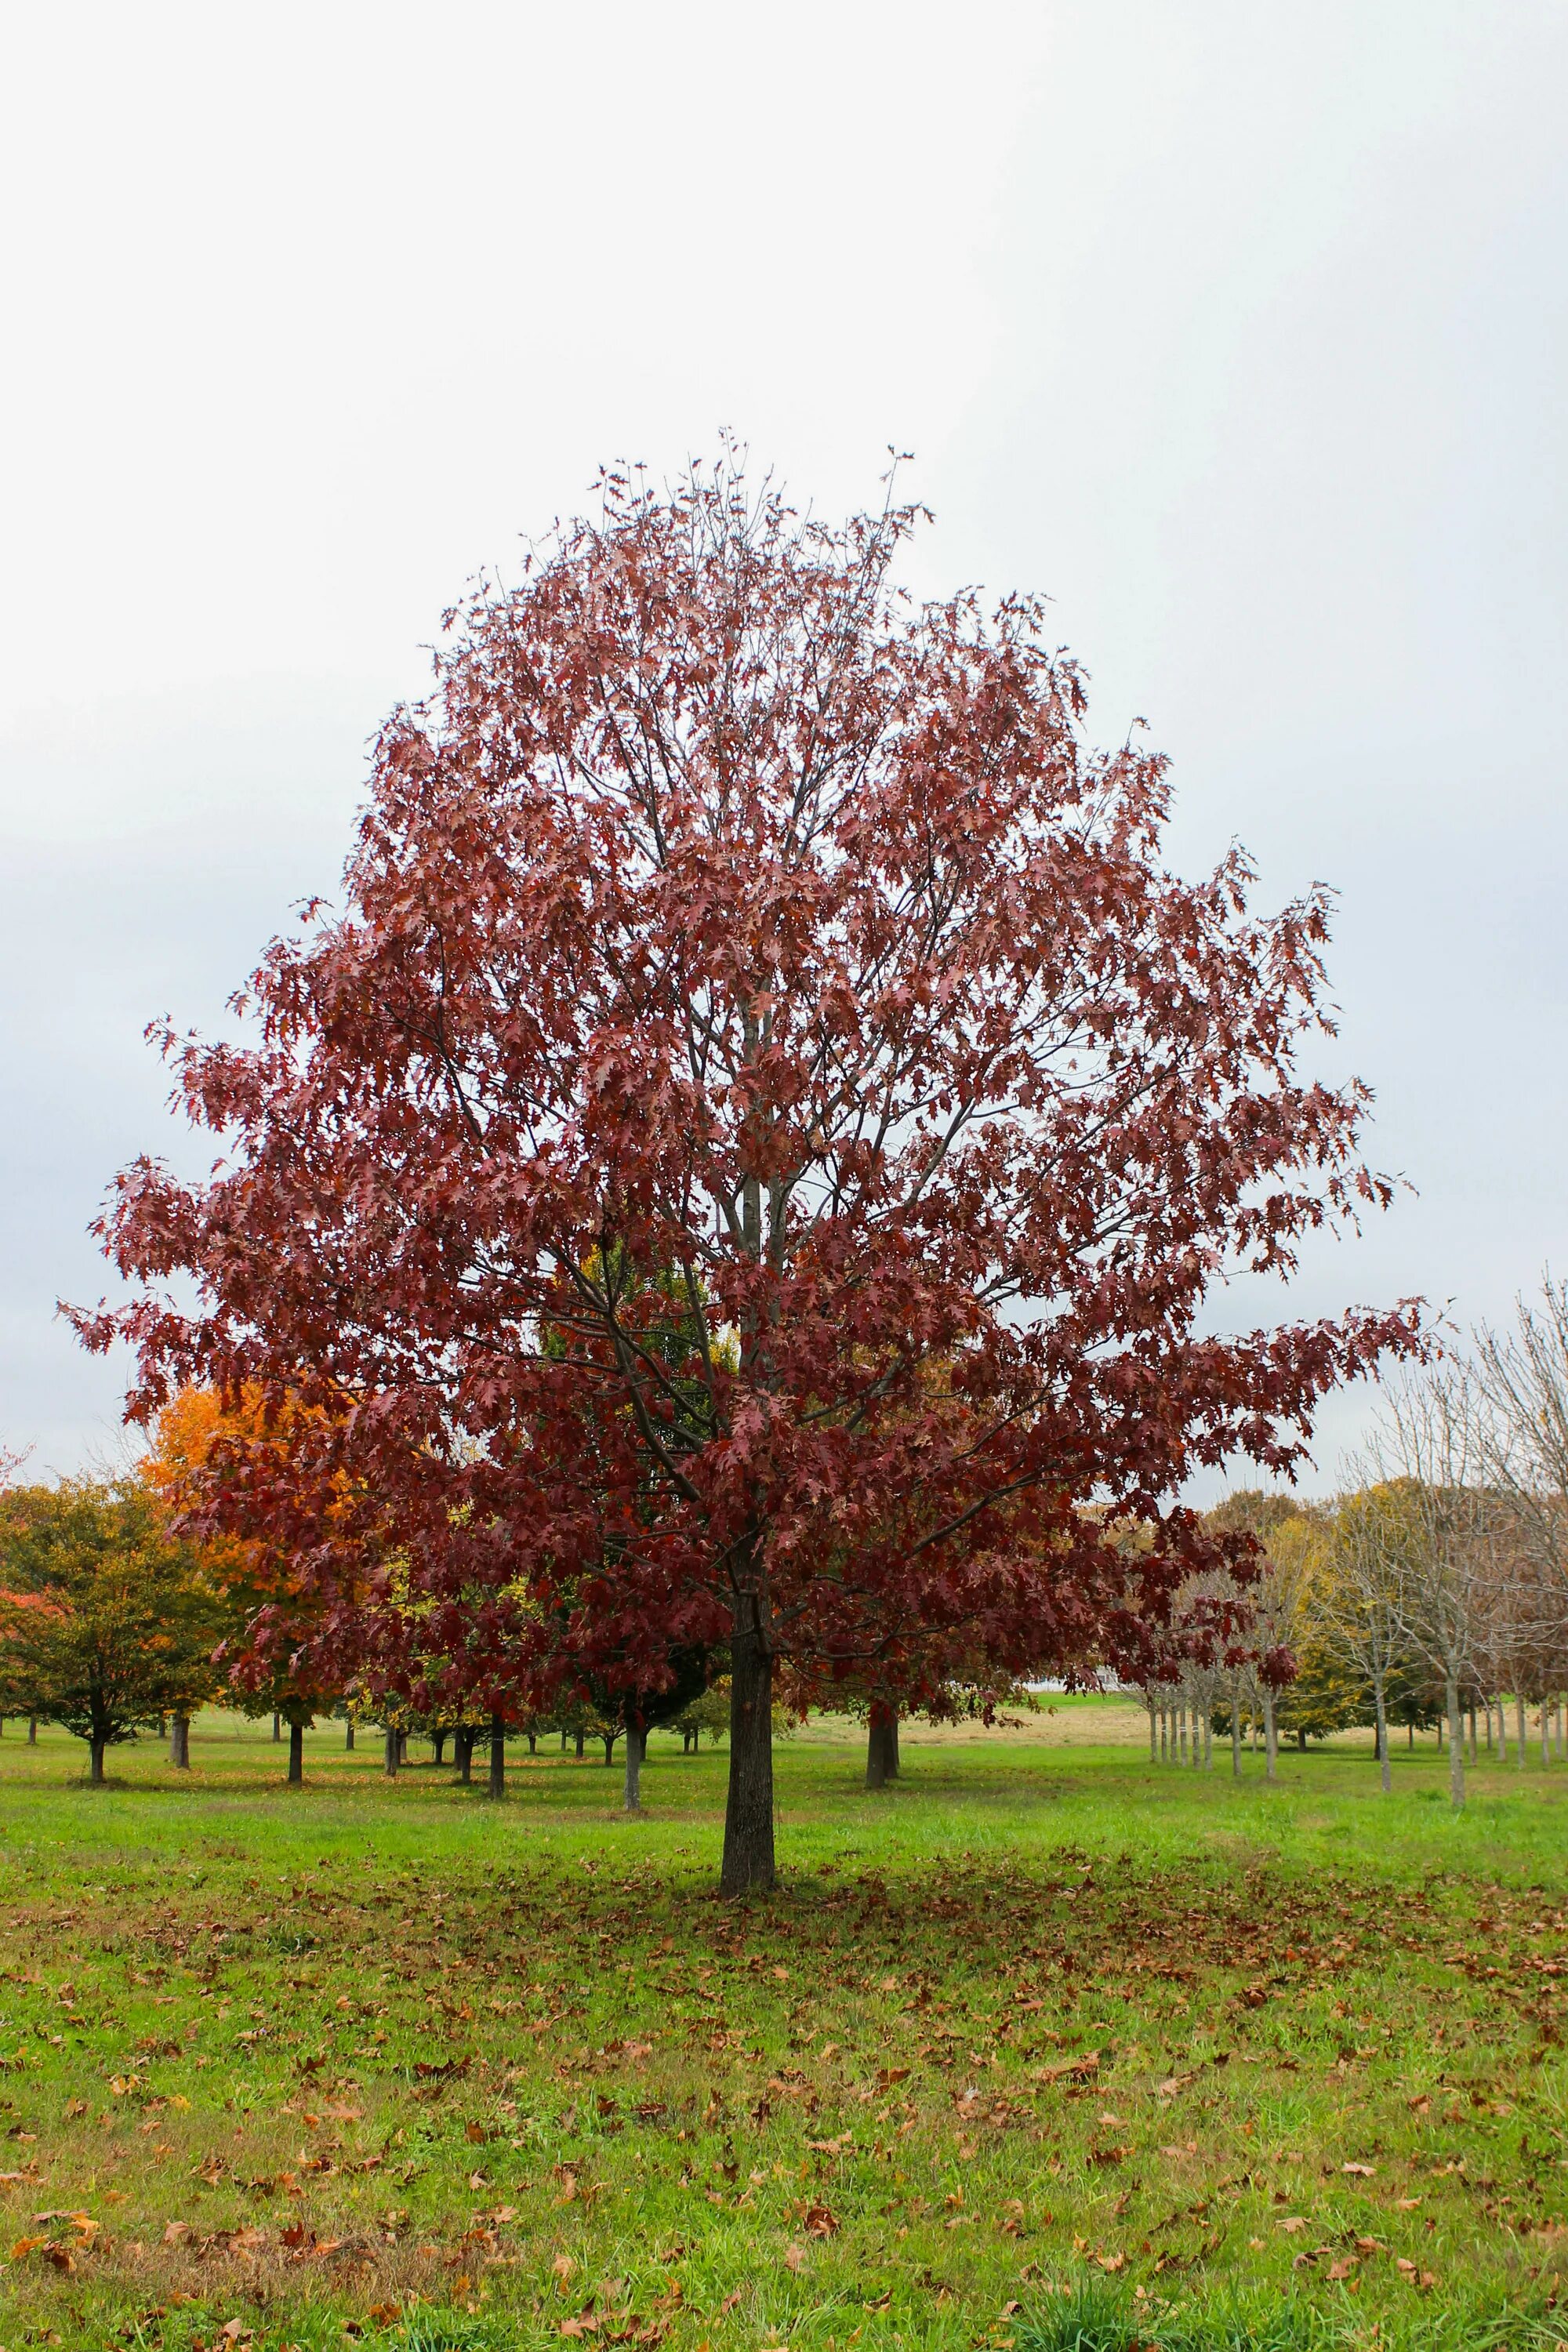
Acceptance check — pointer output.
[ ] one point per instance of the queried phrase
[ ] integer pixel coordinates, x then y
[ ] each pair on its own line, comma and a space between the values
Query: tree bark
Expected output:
1520, 1725
463, 1747
1385, 1768
32, 1731
392, 1756
498, 1756
95, 1746
610, 1739
1235, 1730
296, 1755
748, 1866
438, 1741
636, 1744
1502, 1732
581, 1743
276, 1729
348, 1731
881, 1746
180, 1742
533, 1743
1455, 1743
1153, 1736
1208, 1740
1270, 1738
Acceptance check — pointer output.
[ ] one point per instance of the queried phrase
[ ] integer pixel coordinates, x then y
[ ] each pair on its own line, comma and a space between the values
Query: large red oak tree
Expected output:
749, 1164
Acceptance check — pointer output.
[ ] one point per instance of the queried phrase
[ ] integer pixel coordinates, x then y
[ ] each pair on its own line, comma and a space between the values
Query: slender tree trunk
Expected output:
498, 1756
1235, 1731
1386, 1768
1545, 1736
296, 1755
95, 1748
1522, 1743
1164, 1733
1502, 1732
636, 1743
403, 1748
32, 1731
438, 1741
1208, 1740
881, 1745
180, 1742
1301, 1739
463, 1746
581, 1743
1153, 1735
533, 1743
276, 1729
748, 1865
1271, 1742
348, 1732
1475, 1744
1455, 1743
392, 1756
610, 1739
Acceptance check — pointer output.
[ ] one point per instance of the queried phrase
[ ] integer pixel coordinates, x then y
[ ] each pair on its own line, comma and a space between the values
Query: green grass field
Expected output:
1042, 2046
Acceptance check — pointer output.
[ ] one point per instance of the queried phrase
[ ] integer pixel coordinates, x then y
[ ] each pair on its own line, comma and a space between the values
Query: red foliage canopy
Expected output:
755, 1150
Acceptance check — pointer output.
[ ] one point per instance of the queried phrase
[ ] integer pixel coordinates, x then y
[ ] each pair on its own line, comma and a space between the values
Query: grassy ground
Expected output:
1043, 2046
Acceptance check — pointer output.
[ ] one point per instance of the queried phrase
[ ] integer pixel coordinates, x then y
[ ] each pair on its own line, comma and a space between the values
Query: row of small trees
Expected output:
1431, 1590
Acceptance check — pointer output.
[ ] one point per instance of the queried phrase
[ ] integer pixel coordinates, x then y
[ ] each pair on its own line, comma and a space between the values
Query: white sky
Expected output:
1240, 329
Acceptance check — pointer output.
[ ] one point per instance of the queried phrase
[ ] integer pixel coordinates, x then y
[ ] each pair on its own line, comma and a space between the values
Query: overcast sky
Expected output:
1238, 329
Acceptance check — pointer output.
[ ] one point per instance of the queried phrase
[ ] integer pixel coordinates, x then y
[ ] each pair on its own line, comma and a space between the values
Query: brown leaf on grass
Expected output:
1292, 2222
564, 2266
1066, 2069
1342, 2269
794, 2257
1366, 2170
1111, 2261
176, 2233
731, 2301
820, 2221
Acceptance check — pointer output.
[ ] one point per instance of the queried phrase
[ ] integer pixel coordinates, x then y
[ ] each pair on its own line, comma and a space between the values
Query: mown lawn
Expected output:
387, 2061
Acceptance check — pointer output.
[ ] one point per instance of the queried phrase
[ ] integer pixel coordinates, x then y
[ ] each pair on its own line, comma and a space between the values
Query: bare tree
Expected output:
1428, 1448
1363, 1598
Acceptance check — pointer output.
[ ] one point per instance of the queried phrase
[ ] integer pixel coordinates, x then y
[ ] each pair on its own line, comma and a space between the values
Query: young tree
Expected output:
1363, 1596
724, 912
104, 1618
1425, 1450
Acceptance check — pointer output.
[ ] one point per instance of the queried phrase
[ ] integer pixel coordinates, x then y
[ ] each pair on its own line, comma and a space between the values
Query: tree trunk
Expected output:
636, 1744
463, 1747
1301, 1739
180, 1741
1153, 1736
581, 1743
276, 1729
533, 1743
1545, 1736
881, 1745
391, 1755
348, 1731
1164, 1733
610, 1738
498, 1756
1208, 1740
1520, 1758
1475, 1746
1235, 1731
1502, 1733
1271, 1740
403, 1748
1385, 1768
95, 1748
748, 1865
296, 1755
1455, 1743
438, 1741
32, 1731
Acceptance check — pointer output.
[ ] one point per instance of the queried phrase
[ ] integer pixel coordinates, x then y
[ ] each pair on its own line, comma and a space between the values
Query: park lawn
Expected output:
385, 2061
